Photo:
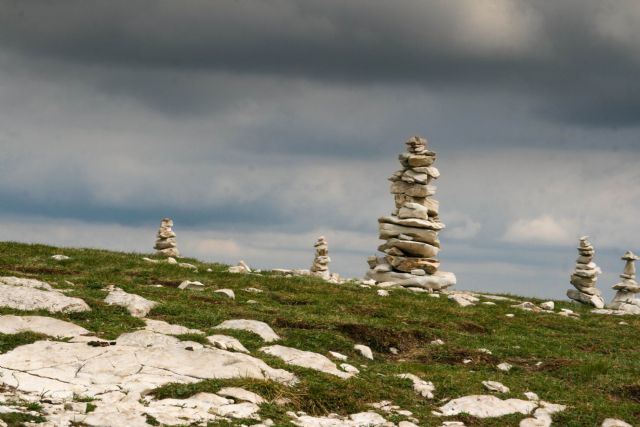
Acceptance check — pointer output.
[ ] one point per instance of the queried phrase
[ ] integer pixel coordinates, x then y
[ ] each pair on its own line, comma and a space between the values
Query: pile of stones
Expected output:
411, 231
320, 266
585, 276
625, 299
166, 243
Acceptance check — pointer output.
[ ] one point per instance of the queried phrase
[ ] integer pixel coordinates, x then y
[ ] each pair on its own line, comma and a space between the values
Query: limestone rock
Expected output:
486, 406
612, 422
241, 267
30, 294
364, 350
260, 328
162, 327
463, 299
227, 292
166, 240
420, 386
495, 386
135, 304
187, 284
238, 393
227, 343
10, 324
338, 356
305, 359
60, 257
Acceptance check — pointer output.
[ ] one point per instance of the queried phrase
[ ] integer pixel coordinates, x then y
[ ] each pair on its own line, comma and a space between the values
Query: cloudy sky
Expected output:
259, 125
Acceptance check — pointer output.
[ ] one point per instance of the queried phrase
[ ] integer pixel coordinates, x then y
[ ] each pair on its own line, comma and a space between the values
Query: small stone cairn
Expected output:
411, 231
625, 299
321, 261
585, 276
166, 242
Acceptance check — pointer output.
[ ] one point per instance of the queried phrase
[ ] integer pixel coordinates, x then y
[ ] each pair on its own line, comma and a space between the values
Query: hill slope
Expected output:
591, 364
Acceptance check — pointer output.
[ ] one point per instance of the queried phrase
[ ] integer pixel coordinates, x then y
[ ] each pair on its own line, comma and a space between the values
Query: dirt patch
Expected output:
473, 328
380, 339
296, 324
629, 392
207, 300
456, 356
39, 270
284, 300
165, 283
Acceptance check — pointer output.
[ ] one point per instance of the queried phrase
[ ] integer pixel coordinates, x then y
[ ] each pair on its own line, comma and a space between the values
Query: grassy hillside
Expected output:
590, 364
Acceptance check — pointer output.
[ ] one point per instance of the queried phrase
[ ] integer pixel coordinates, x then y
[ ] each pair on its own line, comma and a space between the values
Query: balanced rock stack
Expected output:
585, 276
625, 299
166, 242
321, 261
411, 231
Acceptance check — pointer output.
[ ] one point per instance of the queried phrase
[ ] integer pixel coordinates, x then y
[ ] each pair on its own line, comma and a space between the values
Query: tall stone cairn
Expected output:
411, 231
585, 276
166, 242
321, 261
625, 299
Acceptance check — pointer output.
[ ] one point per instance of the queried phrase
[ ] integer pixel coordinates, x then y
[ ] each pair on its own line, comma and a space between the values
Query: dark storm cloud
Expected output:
575, 59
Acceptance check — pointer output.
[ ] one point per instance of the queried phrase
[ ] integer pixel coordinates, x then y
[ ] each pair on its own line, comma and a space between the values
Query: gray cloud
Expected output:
575, 61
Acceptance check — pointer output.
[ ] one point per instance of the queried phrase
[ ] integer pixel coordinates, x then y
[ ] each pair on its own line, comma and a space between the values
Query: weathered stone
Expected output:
30, 294
413, 248
387, 231
226, 342
595, 300
420, 386
305, 359
585, 276
10, 324
259, 328
135, 304
486, 406
495, 386
364, 350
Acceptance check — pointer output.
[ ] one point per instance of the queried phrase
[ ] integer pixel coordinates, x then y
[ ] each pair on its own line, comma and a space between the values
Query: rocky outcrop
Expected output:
625, 299
166, 242
411, 231
585, 276
135, 304
31, 294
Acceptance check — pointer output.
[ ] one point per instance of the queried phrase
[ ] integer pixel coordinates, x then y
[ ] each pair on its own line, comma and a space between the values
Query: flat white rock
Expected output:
30, 294
504, 366
338, 356
238, 393
612, 422
226, 342
135, 304
306, 359
420, 386
486, 406
10, 324
361, 419
463, 300
59, 257
364, 351
162, 327
495, 386
141, 361
227, 292
187, 284
257, 327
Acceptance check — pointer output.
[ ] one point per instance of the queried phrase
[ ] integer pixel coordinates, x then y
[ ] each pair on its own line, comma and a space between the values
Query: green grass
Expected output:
592, 364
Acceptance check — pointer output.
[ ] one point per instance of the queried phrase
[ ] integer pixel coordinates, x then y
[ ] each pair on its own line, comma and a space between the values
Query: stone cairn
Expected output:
321, 261
166, 242
411, 231
585, 276
625, 299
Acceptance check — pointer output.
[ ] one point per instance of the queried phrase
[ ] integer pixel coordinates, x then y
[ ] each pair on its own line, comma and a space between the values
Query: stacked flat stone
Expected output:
411, 231
166, 243
625, 299
585, 276
321, 261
